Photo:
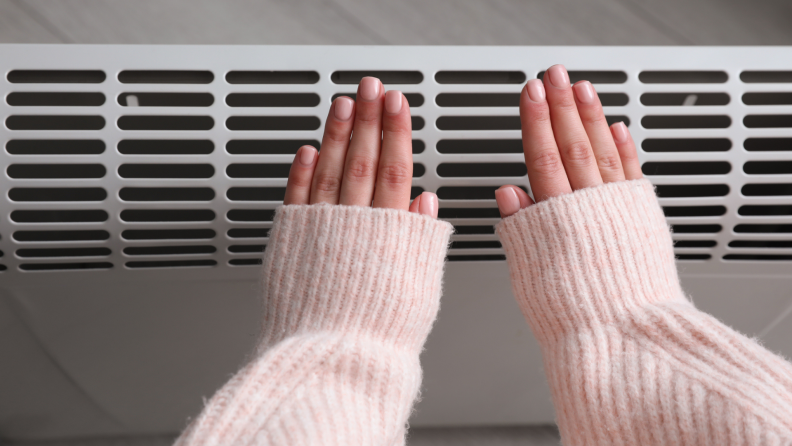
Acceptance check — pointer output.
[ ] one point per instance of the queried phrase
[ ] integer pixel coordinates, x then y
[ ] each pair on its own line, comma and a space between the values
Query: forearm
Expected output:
349, 296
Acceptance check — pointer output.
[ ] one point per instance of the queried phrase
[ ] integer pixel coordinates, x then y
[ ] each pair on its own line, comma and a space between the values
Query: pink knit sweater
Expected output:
350, 295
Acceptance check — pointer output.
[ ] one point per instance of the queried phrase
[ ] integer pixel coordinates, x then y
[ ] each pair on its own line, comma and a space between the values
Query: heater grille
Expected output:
134, 159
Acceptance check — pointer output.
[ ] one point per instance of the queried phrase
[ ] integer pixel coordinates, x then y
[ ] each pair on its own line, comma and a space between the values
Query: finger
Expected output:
511, 199
415, 204
605, 152
545, 169
428, 204
394, 173
627, 151
298, 187
357, 184
571, 138
326, 183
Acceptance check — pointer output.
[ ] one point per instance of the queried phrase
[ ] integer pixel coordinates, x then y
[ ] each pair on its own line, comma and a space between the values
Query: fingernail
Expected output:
620, 133
508, 201
343, 108
536, 91
369, 88
584, 92
307, 155
428, 205
558, 76
393, 101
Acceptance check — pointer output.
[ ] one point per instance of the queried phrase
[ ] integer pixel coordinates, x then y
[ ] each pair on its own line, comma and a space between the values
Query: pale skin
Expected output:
566, 141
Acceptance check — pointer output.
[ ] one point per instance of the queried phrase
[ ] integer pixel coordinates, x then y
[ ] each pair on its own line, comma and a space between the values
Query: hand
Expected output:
567, 142
373, 168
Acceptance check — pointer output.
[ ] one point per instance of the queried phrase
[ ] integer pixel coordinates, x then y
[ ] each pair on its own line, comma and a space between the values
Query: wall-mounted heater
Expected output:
139, 183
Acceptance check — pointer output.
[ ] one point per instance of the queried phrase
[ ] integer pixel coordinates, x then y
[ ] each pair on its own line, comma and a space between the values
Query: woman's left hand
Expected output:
366, 156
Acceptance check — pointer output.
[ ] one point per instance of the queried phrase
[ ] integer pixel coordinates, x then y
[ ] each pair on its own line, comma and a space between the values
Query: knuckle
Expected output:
299, 181
395, 174
336, 134
327, 183
609, 162
547, 162
578, 152
360, 168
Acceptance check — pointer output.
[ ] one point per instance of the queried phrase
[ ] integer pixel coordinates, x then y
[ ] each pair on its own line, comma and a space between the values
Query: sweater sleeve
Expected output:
628, 357
349, 296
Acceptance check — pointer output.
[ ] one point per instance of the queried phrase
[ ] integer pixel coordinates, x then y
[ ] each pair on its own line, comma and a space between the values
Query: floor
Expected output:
404, 22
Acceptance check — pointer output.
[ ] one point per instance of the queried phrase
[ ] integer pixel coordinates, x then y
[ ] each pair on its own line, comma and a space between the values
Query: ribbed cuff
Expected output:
354, 270
582, 259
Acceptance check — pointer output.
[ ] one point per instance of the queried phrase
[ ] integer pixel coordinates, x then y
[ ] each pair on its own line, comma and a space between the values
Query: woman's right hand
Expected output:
567, 142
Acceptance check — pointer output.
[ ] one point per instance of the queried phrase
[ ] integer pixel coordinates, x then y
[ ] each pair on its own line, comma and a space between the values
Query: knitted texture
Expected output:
349, 295
628, 357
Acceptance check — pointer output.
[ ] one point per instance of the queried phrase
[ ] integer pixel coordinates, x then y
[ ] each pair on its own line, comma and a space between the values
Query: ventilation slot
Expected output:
165, 99
475, 244
418, 146
60, 236
686, 145
767, 144
386, 77
86, 216
168, 234
55, 99
467, 193
413, 99
248, 233
268, 146
253, 215
767, 121
595, 77
244, 262
167, 215
760, 77
57, 194
695, 243
165, 147
63, 266
165, 123
166, 194
417, 122
693, 211
765, 210
272, 77
239, 249
166, 171
416, 190
169, 250
258, 170
485, 229
763, 228
757, 257
767, 189
683, 77
480, 77
272, 100
64, 252
684, 99
256, 193
472, 258
686, 168
478, 123
172, 264
55, 147
55, 122
165, 77
51, 171
279, 123
760, 244
767, 99
693, 256
613, 99
481, 170
768, 167
56, 77
696, 229
478, 100
691, 190
686, 122
468, 213
480, 146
